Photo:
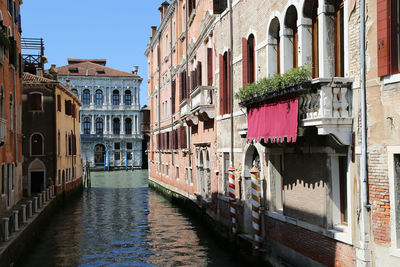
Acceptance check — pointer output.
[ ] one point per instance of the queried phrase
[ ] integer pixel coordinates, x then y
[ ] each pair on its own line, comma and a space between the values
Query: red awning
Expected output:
274, 120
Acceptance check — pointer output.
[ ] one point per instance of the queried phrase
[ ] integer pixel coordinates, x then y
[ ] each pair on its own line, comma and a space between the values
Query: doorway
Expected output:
37, 181
99, 154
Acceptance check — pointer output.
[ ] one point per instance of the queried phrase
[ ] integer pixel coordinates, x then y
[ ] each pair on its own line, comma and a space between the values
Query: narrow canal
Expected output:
120, 222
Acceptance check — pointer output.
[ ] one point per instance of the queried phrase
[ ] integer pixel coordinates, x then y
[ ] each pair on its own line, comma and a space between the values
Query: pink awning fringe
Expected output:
275, 121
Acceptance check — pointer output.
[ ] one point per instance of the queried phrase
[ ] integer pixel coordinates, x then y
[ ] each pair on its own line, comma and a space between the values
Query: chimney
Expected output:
53, 72
153, 30
135, 69
39, 72
67, 83
165, 6
161, 9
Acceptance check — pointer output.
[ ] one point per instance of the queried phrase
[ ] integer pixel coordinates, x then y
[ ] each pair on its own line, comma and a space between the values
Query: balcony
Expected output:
203, 103
3, 131
324, 103
186, 114
92, 138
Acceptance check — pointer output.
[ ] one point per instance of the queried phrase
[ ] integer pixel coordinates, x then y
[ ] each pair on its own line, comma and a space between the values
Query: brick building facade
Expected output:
312, 210
10, 104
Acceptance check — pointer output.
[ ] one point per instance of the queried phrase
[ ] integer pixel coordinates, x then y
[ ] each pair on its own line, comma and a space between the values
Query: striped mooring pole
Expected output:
255, 207
232, 198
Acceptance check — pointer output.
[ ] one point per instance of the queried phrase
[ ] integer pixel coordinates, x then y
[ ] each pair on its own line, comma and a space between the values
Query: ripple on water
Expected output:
119, 222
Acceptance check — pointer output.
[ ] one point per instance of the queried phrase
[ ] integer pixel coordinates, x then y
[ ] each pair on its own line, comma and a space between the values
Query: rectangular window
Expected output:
219, 6
339, 39
117, 146
209, 67
129, 146
276, 172
177, 173
224, 82
129, 155
59, 103
394, 195
35, 102
117, 156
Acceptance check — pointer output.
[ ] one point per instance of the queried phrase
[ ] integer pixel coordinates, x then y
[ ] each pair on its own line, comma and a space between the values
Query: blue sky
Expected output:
116, 30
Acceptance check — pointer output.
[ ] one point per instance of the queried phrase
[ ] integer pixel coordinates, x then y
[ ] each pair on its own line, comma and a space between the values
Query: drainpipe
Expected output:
231, 79
15, 98
159, 94
171, 108
187, 83
364, 249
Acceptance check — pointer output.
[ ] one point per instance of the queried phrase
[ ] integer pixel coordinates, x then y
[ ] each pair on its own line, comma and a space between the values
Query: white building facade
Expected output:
110, 118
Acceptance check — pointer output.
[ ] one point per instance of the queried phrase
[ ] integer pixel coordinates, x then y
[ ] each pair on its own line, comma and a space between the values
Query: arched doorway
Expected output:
252, 158
99, 154
37, 174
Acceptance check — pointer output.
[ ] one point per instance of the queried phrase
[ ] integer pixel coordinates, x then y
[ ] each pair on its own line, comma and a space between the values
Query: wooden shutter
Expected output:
228, 84
59, 103
199, 74
38, 101
193, 80
180, 87
173, 88
209, 67
245, 62
383, 37
221, 84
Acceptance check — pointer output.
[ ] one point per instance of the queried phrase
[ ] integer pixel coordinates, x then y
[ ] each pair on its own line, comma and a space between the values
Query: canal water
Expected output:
120, 222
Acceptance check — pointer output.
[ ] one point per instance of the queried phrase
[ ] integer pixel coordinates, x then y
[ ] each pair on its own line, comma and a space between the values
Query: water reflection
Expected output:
119, 222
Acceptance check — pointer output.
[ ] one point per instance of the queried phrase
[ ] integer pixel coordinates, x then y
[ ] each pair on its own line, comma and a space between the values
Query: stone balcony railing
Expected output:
3, 131
324, 103
203, 103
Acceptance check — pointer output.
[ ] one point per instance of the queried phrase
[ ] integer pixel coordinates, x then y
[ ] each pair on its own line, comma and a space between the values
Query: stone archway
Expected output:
251, 158
99, 154
36, 177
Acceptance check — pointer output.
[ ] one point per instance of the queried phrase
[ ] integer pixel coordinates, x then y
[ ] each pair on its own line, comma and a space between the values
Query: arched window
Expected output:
59, 177
99, 126
310, 11
86, 97
36, 145
128, 126
86, 125
128, 97
291, 38
75, 91
99, 97
115, 97
274, 48
116, 126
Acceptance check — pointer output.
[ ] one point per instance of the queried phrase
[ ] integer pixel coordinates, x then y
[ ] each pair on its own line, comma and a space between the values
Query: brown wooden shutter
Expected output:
383, 37
173, 89
245, 62
209, 67
228, 84
199, 74
221, 84
59, 103
180, 87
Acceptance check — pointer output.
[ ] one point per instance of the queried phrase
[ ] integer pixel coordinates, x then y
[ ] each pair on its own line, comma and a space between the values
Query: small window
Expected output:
86, 125
75, 91
176, 172
59, 103
129, 156
99, 126
117, 156
73, 70
99, 97
115, 98
128, 98
86, 97
117, 146
129, 146
36, 145
35, 102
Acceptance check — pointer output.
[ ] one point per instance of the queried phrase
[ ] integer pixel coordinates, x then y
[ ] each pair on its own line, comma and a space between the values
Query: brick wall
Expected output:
319, 248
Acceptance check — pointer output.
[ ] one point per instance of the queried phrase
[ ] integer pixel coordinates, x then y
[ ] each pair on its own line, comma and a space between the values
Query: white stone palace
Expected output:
110, 114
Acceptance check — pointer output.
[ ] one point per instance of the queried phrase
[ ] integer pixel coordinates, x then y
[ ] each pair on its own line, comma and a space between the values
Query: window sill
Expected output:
341, 232
393, 78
